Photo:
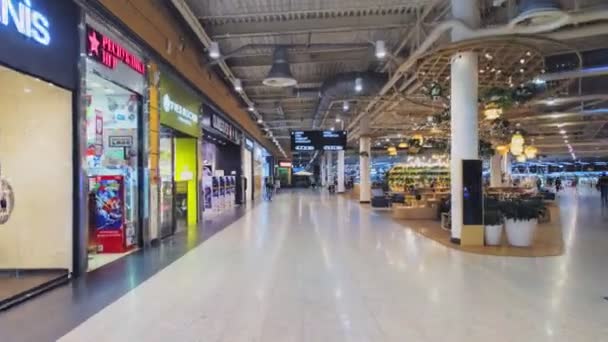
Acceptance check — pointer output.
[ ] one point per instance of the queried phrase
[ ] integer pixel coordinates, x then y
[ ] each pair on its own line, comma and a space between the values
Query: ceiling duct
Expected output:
342, 87
537, 12
280, 75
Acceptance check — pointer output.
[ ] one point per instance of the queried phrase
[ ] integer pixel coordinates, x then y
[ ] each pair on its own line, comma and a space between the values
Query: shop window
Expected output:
36, 182
112, 159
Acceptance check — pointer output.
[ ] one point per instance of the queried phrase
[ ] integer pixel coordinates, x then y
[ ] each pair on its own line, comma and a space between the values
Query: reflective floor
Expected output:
312, 267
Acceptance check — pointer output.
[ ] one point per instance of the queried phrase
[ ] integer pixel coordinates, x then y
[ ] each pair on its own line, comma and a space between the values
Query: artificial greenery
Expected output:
485, 149
492, 217
499, 96
522, 209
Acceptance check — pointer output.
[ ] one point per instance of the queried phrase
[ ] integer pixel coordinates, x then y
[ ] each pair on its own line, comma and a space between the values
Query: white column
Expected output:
496, 170
506, 169
328, 173
340, 172
464, 125
323, 172
365, 186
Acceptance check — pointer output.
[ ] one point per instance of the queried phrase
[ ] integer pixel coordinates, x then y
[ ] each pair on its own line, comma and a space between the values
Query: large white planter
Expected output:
520, 233
493, 235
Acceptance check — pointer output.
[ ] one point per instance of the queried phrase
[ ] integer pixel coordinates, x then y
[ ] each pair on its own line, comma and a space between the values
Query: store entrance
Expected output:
113, 168
178, 172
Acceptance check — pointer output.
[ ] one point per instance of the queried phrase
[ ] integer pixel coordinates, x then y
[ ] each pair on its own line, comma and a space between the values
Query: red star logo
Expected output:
93, 43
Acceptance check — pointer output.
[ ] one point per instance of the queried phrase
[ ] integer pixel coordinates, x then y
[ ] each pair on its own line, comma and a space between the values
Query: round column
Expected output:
365, 187
464, 116
340, 171
496, 170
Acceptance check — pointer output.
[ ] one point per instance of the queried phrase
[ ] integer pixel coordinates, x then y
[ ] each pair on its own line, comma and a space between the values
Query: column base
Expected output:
455, 241
472, 235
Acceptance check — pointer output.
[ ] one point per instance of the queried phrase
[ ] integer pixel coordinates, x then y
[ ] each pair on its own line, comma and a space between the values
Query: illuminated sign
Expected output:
120, 141
226, 128
184, 114
249, 143
285, 164
109, 53
21, 16
318, 140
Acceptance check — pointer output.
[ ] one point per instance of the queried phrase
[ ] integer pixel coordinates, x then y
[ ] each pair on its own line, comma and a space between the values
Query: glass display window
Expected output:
112, 162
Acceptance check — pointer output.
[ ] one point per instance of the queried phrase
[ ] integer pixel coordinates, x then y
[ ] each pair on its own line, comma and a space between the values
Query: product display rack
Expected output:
402, 175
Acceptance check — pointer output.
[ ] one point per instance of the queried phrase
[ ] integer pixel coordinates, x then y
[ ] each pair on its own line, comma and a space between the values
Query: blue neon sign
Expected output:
20, 16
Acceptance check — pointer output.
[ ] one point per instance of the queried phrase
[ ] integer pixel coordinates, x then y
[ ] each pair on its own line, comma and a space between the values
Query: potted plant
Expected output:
493, 221
521, 219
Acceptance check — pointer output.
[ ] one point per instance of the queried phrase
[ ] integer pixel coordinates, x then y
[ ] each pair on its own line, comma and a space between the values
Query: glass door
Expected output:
167, 190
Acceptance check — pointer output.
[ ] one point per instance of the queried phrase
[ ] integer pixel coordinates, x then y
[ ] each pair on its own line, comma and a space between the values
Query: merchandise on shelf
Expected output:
402, 176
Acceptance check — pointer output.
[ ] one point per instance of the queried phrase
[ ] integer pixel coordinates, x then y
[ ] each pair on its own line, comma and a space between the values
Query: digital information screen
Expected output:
318, 140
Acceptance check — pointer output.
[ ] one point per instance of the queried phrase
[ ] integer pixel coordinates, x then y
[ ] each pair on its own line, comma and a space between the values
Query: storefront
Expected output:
261, 170
114, 95
248, 171
39, 83
178, 155
221, 163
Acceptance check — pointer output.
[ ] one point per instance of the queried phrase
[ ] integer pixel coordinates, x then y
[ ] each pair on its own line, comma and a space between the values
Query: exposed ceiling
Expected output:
326, 38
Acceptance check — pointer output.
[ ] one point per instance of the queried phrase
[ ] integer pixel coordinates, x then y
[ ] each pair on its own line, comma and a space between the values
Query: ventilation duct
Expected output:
537, 12
280, 75
342, 87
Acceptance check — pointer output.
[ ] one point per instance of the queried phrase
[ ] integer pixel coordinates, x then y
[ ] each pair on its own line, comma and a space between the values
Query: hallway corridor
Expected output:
310, 267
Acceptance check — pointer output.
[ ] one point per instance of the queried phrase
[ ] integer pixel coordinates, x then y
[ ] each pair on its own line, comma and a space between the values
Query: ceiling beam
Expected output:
327, 24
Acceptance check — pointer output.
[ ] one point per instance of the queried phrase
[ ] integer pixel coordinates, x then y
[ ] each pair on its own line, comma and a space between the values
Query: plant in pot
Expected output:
493, 221
521, 219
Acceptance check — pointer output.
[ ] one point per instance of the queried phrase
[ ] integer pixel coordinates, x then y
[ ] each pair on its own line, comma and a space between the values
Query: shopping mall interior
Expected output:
327, 171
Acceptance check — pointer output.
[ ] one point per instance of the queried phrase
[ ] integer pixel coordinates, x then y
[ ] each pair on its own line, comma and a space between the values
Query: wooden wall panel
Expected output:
151, 21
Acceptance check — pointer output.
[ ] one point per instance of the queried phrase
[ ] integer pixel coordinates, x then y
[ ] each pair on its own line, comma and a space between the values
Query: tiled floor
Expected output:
311, 267
53, 314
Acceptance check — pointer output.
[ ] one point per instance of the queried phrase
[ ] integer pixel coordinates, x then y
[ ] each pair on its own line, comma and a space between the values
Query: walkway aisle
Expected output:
308, 267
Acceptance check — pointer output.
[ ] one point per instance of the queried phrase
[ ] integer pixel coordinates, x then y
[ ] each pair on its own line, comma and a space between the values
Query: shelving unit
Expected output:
420, 177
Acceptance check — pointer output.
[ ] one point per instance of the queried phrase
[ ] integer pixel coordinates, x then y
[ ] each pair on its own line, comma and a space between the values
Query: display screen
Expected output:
318, 140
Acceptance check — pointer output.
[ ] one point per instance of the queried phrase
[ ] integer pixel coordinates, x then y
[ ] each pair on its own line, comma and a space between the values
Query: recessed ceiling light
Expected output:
27, 90
562, 131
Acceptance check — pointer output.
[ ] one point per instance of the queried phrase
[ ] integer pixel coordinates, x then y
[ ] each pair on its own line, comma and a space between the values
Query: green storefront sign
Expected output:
179, 107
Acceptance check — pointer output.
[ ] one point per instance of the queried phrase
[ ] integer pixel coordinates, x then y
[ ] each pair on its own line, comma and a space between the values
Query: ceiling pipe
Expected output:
454, 24
560, 115
564, 100
343, 86
190, 18
580, 73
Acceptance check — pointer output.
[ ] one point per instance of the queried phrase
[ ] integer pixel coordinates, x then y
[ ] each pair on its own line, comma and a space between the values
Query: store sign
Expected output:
20, 16
120, 141
249, 144
226, 128
40, 38
318, 140
179, 107
109, 53
285, 164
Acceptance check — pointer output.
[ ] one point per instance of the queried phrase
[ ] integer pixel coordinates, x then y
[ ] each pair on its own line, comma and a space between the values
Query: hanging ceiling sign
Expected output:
318, 140
104, 50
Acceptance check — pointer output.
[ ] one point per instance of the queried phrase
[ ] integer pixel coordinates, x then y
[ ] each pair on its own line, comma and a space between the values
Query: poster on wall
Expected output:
109, 213
98, 132
207, 187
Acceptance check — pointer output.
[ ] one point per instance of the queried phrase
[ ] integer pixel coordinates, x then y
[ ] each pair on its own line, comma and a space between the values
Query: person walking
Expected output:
558, 184
603, 185
269, 188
